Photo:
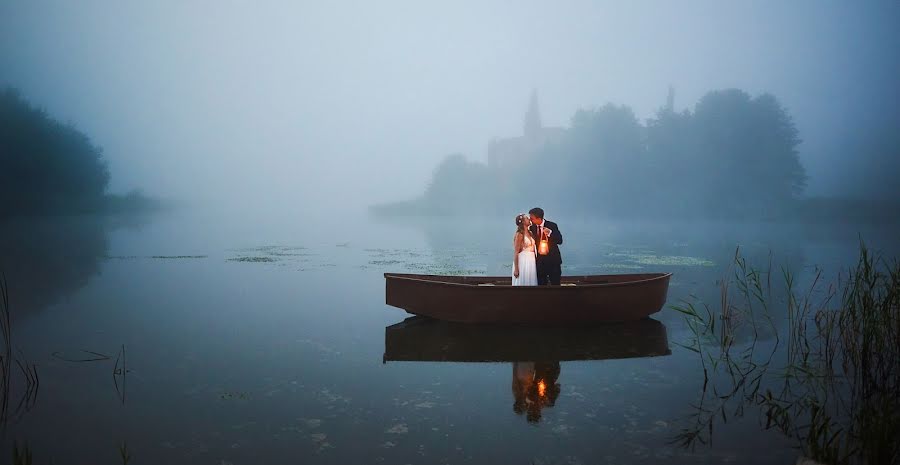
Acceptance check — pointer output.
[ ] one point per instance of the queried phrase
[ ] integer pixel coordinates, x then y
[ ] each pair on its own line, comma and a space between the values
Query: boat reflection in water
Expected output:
535, 352
534, 387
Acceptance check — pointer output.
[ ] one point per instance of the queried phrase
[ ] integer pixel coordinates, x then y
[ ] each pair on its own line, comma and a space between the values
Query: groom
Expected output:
549, 267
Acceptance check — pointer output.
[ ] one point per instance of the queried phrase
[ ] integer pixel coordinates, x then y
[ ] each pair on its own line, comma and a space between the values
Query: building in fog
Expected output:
503, 153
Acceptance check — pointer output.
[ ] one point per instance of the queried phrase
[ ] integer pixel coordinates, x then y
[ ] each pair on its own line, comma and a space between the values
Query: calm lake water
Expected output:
249, 342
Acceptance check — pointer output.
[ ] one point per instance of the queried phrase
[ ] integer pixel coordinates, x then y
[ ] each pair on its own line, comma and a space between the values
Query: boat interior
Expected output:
507, 281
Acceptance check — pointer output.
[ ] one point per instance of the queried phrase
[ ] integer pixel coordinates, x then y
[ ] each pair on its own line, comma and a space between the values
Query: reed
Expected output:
23, 456
836, 388
124, 453
31, 381
6, 355
846, 370
118, 372
28, 371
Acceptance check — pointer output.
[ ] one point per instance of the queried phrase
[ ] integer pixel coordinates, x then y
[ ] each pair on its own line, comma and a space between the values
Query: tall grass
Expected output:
846, 371
6, 355
836, 387
729, 376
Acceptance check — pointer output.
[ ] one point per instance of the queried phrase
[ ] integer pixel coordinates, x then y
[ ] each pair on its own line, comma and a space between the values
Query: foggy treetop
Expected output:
250, 105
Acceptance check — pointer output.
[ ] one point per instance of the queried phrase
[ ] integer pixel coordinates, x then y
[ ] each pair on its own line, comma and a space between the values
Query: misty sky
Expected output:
288, 103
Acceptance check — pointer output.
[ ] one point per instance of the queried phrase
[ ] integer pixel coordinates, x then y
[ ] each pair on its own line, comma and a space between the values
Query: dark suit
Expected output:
549, 267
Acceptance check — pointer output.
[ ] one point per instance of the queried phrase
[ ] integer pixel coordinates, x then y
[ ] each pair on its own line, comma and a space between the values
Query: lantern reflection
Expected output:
534, 388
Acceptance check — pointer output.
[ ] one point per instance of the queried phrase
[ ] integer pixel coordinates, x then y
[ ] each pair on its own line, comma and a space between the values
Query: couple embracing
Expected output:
530, 267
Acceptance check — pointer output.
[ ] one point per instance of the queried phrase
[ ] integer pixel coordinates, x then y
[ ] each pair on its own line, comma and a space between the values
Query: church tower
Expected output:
532, 125
507, 152
670, 100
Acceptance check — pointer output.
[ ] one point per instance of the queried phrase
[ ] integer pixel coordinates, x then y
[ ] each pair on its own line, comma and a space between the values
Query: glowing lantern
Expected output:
544, 247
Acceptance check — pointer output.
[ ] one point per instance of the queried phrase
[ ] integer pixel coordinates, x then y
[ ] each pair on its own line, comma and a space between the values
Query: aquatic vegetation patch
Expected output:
420, 261
312, 423
399, 428
155, 257
602, 266
320, 441
444, 269
272, 251
456, 272
251, 259
664, 260
291, 254
385, 251
176, 257
234, 395
272, 248
328, 397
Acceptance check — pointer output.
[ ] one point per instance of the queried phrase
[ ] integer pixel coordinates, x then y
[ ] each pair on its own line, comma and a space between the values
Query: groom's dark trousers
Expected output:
549, 267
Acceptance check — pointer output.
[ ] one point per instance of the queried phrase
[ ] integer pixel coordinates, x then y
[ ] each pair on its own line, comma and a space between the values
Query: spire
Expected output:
532, 124
670, 99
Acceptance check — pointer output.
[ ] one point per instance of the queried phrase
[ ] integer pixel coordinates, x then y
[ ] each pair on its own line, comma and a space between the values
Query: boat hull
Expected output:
490, 299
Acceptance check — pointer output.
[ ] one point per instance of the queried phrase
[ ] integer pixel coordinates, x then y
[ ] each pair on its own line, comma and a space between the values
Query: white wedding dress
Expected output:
527, 266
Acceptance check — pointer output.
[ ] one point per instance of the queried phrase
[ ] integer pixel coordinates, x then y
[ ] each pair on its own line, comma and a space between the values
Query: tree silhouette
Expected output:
458, 185
733, 156
46, 166
747, 151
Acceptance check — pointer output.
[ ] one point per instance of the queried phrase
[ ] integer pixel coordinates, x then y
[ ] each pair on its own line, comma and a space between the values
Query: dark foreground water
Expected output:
196, 340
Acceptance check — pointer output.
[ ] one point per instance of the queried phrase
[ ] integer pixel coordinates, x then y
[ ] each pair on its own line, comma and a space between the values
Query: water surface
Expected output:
265, 342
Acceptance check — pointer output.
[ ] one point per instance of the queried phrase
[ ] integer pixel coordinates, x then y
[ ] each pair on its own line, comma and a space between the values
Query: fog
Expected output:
725, 172
324, 108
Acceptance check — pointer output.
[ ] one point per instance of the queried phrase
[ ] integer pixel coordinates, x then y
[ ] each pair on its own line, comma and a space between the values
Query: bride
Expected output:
524, 267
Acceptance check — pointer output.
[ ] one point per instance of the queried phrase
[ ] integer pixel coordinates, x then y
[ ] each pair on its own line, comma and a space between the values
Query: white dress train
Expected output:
527, 265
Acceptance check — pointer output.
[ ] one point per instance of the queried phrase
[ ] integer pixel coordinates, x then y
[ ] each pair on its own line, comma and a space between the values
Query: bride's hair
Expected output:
520, 223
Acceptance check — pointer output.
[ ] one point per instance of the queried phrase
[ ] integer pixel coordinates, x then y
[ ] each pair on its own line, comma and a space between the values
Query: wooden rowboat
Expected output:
424, 339
491, 299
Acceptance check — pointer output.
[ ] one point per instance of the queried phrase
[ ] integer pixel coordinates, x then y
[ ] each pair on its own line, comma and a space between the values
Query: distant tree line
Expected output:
47, 167
732, 156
